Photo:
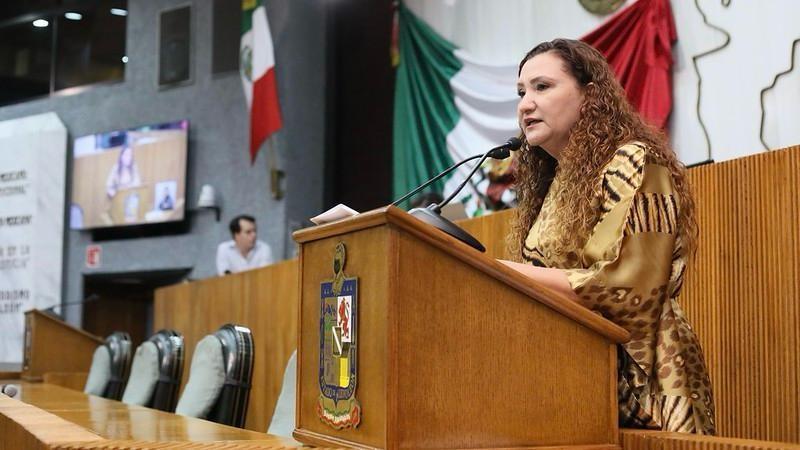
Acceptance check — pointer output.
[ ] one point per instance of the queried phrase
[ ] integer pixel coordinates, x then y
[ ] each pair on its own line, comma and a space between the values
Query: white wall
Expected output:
761, 36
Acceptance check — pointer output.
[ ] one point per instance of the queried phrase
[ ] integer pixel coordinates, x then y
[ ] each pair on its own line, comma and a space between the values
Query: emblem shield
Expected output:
338, 355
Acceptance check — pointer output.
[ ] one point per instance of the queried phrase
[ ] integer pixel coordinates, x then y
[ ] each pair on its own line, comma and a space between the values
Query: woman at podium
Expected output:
124, 173
606, 217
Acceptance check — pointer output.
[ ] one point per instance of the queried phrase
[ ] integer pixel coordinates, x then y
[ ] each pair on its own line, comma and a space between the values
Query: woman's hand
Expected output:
554, 279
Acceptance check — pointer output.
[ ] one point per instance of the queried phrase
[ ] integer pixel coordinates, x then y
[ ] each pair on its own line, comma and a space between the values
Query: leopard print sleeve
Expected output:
627, 261
631, 270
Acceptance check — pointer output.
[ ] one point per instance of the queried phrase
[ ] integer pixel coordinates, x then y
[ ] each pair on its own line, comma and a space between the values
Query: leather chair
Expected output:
170, 352
237, 352
220, 377
110, 366
156, 372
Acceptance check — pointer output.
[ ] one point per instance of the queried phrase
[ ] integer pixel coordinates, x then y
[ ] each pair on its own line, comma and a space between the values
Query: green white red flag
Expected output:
257, 69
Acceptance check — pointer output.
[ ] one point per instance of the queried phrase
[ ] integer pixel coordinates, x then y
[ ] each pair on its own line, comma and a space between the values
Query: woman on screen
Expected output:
124, 173
606, 218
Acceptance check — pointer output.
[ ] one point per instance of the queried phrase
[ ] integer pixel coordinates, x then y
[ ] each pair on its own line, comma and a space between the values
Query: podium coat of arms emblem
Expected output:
338, 352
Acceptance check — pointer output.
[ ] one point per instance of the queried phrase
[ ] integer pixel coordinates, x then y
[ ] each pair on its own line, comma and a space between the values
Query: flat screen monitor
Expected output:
130, 177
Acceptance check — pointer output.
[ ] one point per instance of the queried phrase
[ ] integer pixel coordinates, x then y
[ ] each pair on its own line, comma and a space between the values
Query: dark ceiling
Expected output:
12, 11
66, 52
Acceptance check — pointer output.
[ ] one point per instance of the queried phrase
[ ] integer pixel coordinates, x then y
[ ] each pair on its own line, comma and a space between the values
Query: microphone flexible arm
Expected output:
432, 214
52, 309
437, 177
499, 152
455, 192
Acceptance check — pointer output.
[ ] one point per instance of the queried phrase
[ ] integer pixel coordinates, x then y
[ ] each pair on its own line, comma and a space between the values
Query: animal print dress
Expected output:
630, 271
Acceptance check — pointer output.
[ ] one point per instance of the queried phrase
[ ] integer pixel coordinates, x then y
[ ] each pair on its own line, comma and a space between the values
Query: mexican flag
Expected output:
448, 106
257, 69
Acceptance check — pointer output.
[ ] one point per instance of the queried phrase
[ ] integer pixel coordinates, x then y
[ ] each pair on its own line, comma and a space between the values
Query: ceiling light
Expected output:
119, 12
40, 23
125, 59
73, 16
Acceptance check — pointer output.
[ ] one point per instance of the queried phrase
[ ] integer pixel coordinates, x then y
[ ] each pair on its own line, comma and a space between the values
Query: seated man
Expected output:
244, 252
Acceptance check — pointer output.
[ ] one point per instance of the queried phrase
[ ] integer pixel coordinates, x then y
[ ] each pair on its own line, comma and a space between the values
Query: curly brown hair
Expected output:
606, 122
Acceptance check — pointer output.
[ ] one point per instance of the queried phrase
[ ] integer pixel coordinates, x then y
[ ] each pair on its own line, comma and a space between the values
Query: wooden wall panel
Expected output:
648, 440
742, 291
492, 231
264, 300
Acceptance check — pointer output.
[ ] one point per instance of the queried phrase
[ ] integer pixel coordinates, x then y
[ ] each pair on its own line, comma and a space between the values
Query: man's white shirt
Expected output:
230, 259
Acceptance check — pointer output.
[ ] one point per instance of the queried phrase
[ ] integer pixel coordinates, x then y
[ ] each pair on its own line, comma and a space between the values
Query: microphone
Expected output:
504, 151
9, 390
432, 214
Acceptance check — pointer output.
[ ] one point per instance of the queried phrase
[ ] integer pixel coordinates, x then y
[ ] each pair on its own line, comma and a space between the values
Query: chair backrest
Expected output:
119, 346
156, 372
206, 378
220, 376
144, 375
99, 372
110, 365
237, 353
170, 369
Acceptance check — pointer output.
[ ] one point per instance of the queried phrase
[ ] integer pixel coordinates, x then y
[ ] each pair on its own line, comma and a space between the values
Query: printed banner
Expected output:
33, 154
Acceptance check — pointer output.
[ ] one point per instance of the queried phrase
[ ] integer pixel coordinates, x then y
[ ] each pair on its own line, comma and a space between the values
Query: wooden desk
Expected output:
52, 345
49, 416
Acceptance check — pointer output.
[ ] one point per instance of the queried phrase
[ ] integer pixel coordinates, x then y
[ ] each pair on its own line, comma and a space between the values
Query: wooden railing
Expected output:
660, 440
742, 294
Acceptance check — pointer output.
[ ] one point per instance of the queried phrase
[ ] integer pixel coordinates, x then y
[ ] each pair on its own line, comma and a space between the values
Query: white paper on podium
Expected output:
338, 212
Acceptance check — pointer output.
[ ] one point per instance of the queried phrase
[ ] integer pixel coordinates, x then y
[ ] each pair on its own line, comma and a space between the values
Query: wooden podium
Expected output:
52, 345
454, 349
